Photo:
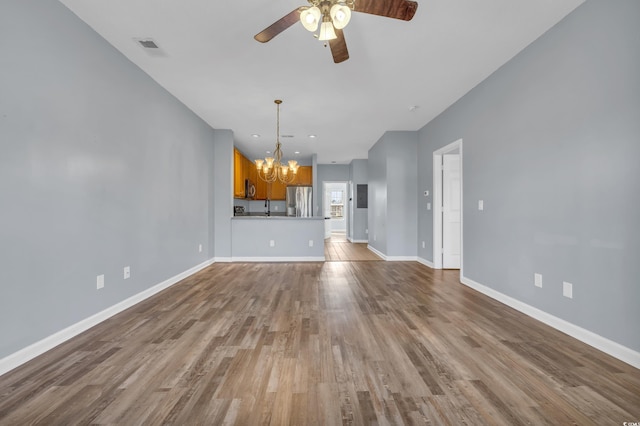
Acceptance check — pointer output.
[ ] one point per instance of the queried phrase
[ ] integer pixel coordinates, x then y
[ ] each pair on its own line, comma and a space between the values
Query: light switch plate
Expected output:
537, 280
272, 243
310, 243
567, 289
480, 204
428, 206
100, 282
127, 272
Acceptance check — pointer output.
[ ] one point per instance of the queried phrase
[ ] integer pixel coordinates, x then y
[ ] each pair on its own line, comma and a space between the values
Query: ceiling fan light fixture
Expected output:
340, 15
327, 31
310, 18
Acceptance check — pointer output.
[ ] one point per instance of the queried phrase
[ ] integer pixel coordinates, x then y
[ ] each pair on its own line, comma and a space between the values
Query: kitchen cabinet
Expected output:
278, 190
238, 174
246, 169
305, 176
261, 189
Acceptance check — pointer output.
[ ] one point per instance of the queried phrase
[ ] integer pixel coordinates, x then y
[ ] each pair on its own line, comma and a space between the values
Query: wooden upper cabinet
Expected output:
246, 169
238, 174
261, 189
253, 173
305, 176
278, 190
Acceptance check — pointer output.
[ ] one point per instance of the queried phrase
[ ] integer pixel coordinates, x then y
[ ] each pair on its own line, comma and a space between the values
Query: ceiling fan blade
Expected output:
398, 9
339, 48
279, 26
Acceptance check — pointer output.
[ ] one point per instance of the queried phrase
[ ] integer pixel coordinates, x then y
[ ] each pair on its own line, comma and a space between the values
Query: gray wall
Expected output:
291, 236
358, 175
392, 171
99, 168
377, 211
223, 193
329, 173
550, 143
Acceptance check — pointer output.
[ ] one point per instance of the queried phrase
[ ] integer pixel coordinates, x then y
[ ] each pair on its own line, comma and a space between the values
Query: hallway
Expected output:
339, 249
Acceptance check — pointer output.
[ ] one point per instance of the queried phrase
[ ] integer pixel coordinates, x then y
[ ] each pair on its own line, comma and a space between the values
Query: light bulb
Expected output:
340, 15
310, 18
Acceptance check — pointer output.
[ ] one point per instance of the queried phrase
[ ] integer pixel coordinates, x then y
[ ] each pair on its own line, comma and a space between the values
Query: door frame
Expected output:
437, 203
347, 206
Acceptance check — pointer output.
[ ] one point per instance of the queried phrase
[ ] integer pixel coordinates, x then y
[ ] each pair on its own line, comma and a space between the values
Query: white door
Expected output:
451, 211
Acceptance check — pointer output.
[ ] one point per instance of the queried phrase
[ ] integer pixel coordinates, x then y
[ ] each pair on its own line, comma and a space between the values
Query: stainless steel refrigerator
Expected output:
300, 201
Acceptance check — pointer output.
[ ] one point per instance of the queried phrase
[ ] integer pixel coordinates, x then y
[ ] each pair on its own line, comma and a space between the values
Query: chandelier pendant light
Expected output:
327, 15
271, 169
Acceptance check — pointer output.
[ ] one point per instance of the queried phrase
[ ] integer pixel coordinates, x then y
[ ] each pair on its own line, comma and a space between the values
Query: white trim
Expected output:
610, 347
425, 262
402, 258
280, 259
358, 241
223, 259
18, 358
437, 203
437, 210
376, 251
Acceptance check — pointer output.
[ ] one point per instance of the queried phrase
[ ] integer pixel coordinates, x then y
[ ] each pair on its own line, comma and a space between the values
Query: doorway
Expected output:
335, 206
447, 207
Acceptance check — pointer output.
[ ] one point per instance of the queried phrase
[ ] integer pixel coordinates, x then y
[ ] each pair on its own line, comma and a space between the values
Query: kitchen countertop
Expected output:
254, 217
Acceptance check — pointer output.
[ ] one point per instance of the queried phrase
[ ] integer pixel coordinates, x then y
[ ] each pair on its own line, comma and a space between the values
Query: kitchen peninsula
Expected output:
277, 239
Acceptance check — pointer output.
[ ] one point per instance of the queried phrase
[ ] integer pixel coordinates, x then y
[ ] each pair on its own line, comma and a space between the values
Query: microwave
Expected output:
249, 189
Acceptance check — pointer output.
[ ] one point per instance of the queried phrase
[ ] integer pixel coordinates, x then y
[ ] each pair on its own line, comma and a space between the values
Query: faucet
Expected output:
267, 207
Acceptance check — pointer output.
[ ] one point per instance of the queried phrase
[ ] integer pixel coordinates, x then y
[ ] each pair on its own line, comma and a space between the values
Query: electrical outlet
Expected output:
127, 272
310, 243
567, 289
480, 204
537, 280
423, 246
275, 208
374, 237
99, 282
366, 231
200, 248
272, 243
428, 206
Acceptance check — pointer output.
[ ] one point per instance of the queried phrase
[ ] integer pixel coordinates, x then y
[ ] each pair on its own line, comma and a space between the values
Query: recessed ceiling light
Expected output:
255, 135
312, 136
412, 108
268, 152
297, 152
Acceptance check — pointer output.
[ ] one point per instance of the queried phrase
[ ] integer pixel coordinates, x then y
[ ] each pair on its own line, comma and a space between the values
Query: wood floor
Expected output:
321, 344
339, 249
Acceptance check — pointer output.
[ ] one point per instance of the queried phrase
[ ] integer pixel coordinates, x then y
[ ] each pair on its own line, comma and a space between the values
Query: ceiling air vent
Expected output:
150, 46
286, 136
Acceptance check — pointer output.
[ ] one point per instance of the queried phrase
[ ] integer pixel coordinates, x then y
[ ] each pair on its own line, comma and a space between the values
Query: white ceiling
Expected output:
214, 66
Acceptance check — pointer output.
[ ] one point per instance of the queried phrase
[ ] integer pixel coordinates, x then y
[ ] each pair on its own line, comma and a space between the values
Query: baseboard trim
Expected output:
378, 252
402, 259
24, 355
279, 259
223, 259
425, 262
607, 346
358, 241
393, 258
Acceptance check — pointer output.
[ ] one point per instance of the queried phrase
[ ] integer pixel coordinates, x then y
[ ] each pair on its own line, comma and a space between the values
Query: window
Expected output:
337, 204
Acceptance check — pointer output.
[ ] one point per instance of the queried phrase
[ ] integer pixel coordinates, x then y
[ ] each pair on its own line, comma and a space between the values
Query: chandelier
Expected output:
329, 15
271, 168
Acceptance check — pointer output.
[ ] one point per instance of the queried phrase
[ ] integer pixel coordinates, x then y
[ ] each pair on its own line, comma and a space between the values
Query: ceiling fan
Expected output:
329, 17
